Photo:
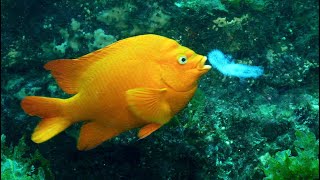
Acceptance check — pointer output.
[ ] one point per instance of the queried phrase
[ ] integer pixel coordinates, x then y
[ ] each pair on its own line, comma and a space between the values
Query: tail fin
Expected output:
51, 111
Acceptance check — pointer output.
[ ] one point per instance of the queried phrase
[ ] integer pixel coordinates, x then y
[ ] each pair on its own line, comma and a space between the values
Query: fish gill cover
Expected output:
229, 130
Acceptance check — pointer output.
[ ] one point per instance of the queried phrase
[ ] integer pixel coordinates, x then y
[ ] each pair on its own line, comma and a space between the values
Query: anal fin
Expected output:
92, 134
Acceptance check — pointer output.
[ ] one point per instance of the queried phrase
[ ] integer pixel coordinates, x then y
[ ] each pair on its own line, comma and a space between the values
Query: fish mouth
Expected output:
201, 66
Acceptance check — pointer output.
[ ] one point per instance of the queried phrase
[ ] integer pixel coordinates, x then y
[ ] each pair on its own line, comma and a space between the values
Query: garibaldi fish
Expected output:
138, 82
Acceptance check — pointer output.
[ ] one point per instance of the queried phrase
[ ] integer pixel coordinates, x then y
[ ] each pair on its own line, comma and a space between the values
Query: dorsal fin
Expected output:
69, 72
98, 54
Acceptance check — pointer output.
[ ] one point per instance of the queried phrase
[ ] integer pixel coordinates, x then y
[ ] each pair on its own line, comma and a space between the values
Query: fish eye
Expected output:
182, 60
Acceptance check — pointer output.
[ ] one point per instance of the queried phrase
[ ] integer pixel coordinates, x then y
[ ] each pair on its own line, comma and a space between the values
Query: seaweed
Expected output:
17, 163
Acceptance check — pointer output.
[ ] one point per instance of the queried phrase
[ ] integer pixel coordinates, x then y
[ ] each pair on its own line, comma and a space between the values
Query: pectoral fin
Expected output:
149, 104
148, 129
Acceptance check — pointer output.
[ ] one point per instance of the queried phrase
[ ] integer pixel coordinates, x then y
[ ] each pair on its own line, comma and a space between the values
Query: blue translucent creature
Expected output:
226, 65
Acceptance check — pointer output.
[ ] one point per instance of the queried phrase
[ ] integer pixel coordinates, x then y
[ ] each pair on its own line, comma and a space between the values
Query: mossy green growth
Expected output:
17, 164
286, 166
200, 4
258, 5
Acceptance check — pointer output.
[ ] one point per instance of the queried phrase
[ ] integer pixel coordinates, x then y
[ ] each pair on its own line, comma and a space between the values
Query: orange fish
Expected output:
141, 81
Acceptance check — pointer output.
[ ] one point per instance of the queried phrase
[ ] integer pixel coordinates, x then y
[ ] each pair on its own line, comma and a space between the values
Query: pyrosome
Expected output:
226, 65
